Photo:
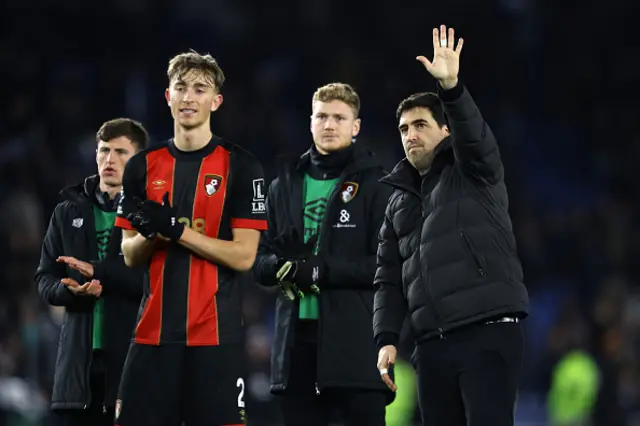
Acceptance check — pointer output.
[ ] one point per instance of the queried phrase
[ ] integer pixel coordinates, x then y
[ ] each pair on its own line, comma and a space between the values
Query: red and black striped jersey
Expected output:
187, 299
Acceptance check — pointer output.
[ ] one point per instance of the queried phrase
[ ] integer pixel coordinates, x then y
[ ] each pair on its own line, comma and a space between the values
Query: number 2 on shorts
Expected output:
240, 384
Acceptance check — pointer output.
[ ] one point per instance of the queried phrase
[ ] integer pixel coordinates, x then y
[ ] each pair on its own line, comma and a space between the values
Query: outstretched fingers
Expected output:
459, 46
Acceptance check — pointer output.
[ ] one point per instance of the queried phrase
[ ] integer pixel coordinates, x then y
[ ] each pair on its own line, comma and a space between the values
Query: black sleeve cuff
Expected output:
99, 271
452, 94
386, 338
269, 271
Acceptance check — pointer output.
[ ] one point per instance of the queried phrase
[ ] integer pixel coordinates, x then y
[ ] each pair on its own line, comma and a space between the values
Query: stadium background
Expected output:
555, 80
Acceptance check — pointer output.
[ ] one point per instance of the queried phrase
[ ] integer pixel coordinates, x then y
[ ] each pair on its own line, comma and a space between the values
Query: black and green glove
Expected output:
298, 270
300, 276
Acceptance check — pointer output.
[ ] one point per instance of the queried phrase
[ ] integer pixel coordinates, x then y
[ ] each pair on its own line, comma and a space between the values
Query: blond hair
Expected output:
185, 63
338, 92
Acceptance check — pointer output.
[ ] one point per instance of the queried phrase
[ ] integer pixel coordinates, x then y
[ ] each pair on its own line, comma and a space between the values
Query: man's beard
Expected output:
421, 162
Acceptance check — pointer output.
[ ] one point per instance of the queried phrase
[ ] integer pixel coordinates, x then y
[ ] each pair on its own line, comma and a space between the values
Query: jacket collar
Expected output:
87, 193
362, 159
81, 192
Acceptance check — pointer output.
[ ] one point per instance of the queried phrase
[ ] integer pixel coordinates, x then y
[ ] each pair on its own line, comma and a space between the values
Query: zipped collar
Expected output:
362, 159
87, 193
81, 193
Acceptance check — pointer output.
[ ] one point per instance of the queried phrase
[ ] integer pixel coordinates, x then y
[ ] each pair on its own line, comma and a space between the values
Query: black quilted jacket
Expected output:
447, 254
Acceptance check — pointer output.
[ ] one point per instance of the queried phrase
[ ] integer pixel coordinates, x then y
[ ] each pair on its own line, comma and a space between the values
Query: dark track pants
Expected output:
470, 378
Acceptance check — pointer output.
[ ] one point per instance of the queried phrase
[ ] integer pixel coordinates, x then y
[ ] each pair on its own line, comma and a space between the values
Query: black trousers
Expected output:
96, 414
302, 406
470, 378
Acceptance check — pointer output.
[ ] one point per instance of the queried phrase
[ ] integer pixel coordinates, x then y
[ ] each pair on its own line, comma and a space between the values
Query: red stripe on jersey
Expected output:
202, 309
160, 168
258, 224
123, 223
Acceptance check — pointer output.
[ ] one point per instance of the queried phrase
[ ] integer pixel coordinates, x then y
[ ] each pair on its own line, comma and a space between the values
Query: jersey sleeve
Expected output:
248, 195
133, 187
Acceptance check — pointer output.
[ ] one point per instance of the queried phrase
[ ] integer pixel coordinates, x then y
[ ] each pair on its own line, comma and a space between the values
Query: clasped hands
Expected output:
298, 270
92, 287
152, 219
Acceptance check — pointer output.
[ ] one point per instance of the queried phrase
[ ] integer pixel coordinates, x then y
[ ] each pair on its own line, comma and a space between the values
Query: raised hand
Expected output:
446, 60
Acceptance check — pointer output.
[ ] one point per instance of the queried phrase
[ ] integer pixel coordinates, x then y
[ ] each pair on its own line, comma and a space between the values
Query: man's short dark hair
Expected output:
126, 127
428, 100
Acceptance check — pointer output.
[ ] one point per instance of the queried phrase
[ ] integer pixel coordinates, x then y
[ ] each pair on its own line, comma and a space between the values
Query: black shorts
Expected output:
170, 384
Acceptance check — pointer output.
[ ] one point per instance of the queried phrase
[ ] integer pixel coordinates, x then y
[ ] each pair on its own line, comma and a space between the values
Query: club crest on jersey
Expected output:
212, 184
349, 190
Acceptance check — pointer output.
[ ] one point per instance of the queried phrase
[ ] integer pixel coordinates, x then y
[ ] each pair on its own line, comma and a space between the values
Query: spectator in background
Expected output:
82, 269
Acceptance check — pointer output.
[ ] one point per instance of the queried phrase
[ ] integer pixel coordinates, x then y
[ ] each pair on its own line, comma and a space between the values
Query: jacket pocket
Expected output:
474, 254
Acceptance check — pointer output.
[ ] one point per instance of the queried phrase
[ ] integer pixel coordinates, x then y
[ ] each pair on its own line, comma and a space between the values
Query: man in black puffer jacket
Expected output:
447, 257
82, 269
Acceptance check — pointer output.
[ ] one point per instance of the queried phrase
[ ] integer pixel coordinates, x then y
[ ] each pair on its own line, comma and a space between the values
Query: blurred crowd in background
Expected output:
556, 81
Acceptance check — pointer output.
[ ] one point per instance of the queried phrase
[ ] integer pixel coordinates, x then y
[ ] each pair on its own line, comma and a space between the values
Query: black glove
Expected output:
310, 272
160, 218
305, 273
141, 224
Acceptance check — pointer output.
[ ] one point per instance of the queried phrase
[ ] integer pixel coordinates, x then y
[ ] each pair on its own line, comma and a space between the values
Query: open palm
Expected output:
446, 60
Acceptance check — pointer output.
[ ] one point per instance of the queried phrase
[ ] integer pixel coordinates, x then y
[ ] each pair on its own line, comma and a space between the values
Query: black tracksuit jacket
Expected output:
72, 232
346, 350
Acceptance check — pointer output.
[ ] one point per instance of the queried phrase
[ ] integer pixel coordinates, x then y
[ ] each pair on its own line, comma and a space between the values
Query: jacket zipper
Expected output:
430, 298
295, 311
88, 368
474, 255
321, 235
422, 274
91, 225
